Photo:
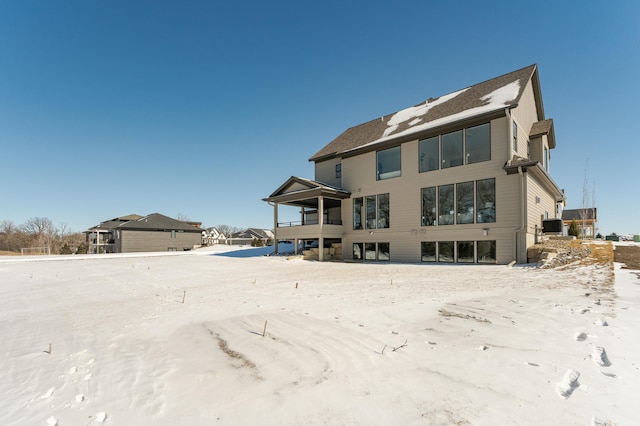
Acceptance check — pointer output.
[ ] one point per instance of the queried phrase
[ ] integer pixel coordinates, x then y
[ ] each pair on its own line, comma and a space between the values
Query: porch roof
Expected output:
305, 192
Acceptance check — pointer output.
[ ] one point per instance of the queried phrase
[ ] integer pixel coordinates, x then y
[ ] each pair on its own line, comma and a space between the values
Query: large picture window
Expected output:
371, 251
478, 143
445, 205
371, 212
388, 162
428, 251
383, 211
445, 251
465, 251
486, 252
358, 251
357, 213
383, 251
486, 200
429, 206
452, 149
464, 203
429, 154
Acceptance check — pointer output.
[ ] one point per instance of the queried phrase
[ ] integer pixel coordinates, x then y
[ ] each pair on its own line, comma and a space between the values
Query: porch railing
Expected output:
308, 222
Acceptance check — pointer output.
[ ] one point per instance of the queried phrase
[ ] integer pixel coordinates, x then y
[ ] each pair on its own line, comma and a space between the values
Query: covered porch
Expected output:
320, 215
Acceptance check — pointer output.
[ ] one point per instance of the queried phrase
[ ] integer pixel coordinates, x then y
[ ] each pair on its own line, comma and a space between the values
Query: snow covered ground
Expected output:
177, 339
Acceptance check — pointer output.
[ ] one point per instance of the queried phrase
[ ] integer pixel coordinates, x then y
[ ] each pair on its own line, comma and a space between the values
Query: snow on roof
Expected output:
496, 100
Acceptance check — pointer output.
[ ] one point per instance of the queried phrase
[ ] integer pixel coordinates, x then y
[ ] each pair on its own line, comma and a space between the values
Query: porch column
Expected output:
275, 228
320, 222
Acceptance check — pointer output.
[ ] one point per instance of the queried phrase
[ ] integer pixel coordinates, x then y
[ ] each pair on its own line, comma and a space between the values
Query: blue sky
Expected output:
202, 108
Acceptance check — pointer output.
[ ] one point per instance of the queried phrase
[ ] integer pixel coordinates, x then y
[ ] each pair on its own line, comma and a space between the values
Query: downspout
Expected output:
522, 216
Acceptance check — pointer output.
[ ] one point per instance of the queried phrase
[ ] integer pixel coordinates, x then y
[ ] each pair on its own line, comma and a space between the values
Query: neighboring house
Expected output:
212, 237
248, 235
134, 233
460, 178
586, 219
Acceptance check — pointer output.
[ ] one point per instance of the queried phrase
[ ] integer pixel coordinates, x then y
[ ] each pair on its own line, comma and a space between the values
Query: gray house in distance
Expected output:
135, 233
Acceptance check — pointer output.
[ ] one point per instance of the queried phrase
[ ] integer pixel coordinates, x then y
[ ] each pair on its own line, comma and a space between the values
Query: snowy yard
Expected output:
177, 339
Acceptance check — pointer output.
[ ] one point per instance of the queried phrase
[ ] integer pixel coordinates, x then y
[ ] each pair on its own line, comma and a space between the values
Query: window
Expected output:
383, 211
445, 205
339, 170
478, 143
429, 154
445, 251
358, 250
429, 206
370, 203
464, 203
357, 213
486, 200
528, 149
465, 251
173, 233
545, 159
375, 209
452, 149
369, 251
486, 252
383, 251
428, 251
388, 163
515, 137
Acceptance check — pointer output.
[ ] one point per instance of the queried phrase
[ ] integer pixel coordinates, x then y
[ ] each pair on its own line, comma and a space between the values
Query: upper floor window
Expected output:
388, 161
429, 154
466, 146
339, 170
545, 159
452, 149
515, 137
478, 143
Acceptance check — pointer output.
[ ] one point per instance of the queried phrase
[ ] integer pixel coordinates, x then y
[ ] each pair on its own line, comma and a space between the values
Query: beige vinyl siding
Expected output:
325, 172
142, 241
406, 231
525, 115
536, 209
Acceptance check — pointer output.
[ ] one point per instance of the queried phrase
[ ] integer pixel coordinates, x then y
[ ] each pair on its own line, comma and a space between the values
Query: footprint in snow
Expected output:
568, 384
581, 337
600, 357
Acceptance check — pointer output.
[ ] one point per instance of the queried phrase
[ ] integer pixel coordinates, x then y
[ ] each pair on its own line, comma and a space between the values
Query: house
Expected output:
212, 236
586, 219
135, 233
462, 178
249, 235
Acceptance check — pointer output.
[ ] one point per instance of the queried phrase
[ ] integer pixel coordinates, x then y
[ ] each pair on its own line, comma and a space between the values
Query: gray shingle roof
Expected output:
579, 214
457, 106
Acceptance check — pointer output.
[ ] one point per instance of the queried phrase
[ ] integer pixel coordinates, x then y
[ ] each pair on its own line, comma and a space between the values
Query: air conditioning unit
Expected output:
552, 226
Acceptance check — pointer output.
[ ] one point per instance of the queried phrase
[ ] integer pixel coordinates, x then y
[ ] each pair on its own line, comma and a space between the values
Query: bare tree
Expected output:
41, 231
587, 212
227, 230
182, 217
